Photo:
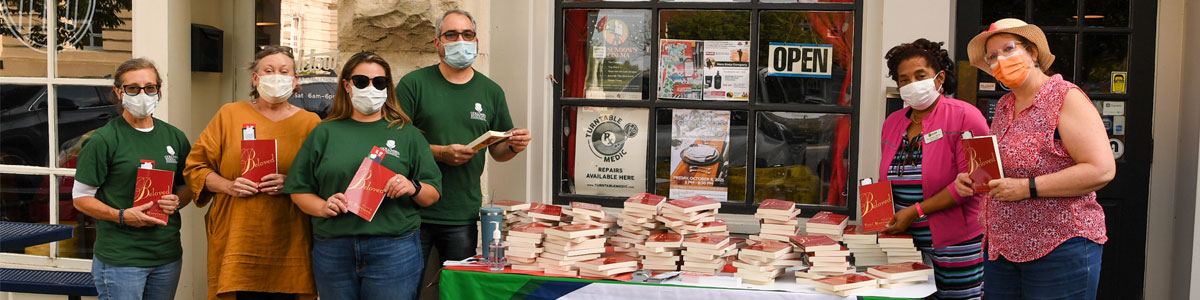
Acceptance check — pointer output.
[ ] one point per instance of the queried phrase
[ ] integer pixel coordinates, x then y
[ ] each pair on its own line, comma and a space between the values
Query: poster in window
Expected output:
619, 54
679, 71
726, 70
699, 144
614, 163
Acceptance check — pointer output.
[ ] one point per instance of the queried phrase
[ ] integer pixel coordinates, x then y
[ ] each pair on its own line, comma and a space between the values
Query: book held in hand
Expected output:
151, 186
366, 190
875, 202
983, 161
489, 138
258, 159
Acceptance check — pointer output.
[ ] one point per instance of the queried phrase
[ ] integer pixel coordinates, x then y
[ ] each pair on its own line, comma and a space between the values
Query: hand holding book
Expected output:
137, 216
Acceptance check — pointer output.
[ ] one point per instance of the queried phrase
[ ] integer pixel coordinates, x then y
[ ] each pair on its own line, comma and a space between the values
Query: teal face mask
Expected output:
460, 54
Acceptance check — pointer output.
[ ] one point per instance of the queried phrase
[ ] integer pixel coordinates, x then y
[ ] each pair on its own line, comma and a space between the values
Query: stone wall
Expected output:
402, 31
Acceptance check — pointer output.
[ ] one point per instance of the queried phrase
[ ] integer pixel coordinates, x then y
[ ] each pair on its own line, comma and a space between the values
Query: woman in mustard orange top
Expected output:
258, 241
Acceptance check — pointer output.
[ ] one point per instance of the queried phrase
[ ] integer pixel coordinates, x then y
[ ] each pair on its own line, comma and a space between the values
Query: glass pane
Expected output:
1063, 47
604, 150
1104, 54
704, 1
1107, 13
95, 36
25, 199
805, 57
807, 1
704, 55
605, 0
701, 152
81, 109
606, 54
1055, 13
23, 125
993, 10
797, 153
79, 246
23, 39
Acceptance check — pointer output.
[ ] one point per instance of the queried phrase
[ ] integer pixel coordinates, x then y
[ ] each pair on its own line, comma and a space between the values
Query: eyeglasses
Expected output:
362, 82
133, 90
1006, 51
453, 35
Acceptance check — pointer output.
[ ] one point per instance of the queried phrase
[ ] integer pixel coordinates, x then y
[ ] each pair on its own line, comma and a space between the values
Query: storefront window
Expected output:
738, 101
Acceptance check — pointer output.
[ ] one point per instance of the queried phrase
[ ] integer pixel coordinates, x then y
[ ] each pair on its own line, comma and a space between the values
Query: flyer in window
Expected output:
614, 162
679, 70
699, 142
618, 54
726, 70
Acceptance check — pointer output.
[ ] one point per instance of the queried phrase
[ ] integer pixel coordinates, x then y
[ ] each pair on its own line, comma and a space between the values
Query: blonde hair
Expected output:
342, 108
268, 51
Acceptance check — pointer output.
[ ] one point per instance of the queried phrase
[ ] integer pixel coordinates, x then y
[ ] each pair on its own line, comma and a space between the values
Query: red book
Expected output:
575, 231
875, 202
533, 228
896, 236
587, 206
814, 242
828, 218
768, 248
366, 190
776, 205
545, 211
692, 204
664, 239
707, 241
258, 159
609, 262
511, 205
151, 186
844, 282
983, 161
900, 270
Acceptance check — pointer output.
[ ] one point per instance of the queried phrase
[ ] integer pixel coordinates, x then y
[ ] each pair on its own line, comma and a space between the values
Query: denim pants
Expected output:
453, 242
368, 267
145, 283
1070, 271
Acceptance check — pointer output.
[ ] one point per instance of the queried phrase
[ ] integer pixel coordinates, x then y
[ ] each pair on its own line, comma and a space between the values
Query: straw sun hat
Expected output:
977, 46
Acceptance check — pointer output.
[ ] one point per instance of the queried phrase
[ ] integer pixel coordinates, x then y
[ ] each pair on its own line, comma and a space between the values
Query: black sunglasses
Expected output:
362, 81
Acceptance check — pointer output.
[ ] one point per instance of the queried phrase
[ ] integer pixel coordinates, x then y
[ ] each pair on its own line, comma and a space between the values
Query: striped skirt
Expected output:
958, 270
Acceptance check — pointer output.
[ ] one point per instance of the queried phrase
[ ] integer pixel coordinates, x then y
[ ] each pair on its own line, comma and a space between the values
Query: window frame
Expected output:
752, 106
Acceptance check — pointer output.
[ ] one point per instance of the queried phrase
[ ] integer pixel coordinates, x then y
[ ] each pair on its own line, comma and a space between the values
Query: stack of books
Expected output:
524, 244
605, 267
825, 256
756, 263
545, 214
693, 211
845, 285
715, 227
511, 209
777, 220
900, 274
567, 244
637, 222
899, 248
864, 247
591, 214
827, 223
661, 251
707, 253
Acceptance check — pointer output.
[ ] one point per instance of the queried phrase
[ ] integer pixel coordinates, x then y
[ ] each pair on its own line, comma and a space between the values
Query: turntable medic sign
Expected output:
610, 151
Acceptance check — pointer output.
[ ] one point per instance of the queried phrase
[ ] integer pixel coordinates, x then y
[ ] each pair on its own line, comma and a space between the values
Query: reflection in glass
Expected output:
732, 25
81, 110
96, 35
606, 54
1107, 13
1101, 55
604, 150
808, 1
835, 29
726, 1
796, 157
1056, 13
993, 10
1062, 45
23, 125
732, 169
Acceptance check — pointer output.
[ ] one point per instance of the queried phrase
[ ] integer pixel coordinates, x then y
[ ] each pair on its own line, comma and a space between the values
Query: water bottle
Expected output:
495, 251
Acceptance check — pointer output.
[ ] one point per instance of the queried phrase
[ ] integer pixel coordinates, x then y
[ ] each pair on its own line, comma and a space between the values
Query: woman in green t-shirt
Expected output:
137, 254
353, 257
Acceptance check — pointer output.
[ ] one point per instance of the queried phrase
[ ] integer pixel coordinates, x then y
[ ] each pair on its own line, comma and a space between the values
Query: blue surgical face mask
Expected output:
460, 54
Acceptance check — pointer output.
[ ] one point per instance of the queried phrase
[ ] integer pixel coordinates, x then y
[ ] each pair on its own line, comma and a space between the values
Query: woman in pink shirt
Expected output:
1043, 229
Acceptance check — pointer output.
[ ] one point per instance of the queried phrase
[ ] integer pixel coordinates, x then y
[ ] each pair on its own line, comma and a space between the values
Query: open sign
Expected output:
800, 60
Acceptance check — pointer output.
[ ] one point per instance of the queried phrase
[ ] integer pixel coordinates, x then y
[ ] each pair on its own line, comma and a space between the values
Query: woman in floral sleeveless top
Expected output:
1043, 229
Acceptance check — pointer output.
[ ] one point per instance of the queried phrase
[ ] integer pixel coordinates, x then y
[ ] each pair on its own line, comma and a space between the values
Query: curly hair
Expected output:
937, 58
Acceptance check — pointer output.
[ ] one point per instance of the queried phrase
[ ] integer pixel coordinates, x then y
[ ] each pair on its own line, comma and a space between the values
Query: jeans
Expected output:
453, 242
368, 267
1070, 271
146, 283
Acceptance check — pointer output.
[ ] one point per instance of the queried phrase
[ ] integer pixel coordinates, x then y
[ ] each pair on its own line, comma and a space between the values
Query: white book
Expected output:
489, 138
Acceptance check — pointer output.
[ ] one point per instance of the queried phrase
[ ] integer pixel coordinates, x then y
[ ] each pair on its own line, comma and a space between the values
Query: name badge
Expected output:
933, 136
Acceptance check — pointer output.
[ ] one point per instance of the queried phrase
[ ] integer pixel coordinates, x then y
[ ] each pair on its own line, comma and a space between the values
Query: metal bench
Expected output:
14, 236
72, 284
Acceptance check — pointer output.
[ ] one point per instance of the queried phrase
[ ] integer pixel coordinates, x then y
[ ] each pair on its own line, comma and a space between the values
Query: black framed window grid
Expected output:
751, 108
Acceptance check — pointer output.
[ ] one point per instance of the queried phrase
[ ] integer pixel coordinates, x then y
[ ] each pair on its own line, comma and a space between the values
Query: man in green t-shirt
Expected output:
453, 104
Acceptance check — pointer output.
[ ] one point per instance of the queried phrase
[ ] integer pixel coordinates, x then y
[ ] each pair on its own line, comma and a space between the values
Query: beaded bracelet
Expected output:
121, 217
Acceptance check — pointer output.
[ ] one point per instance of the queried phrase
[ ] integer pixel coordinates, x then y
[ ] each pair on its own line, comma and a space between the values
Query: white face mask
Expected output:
140, 105
274, 88
368, 100
920, 94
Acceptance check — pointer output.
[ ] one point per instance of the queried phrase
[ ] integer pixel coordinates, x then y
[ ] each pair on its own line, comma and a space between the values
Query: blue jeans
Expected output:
1070, 271
368, 267
453, 242
149, 283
